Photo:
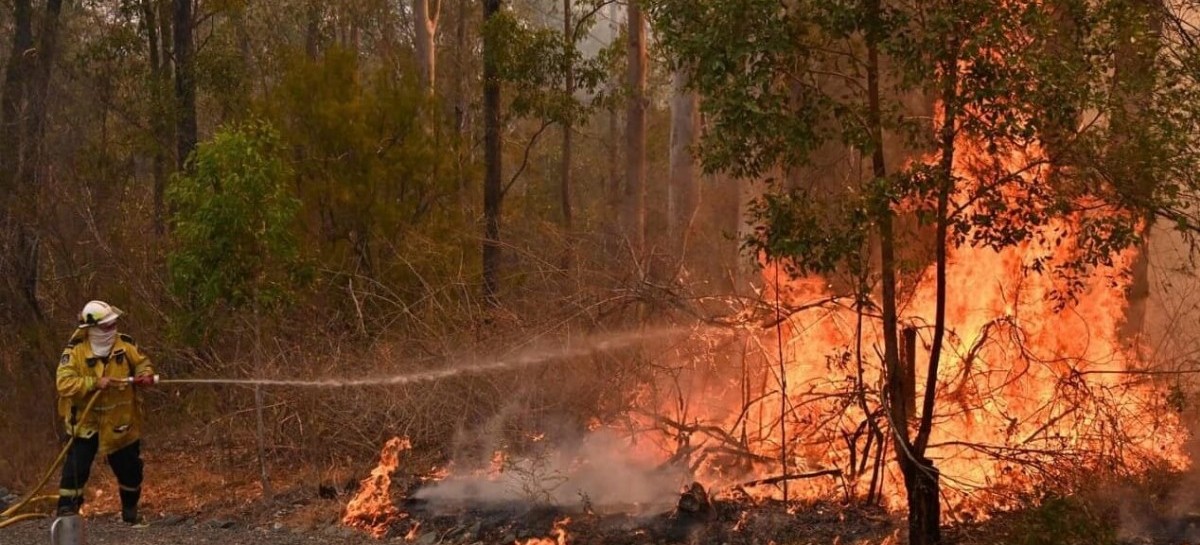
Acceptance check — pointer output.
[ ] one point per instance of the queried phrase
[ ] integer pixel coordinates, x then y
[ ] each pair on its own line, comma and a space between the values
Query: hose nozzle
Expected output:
144, 380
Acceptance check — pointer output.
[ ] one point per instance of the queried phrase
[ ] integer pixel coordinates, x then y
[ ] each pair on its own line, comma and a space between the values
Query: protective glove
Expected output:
145, 380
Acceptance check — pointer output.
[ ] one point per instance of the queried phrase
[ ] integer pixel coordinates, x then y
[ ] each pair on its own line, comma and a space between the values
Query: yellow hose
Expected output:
8, 516
27, 516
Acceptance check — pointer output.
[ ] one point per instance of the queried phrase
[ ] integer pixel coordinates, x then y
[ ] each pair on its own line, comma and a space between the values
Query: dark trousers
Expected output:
126, 464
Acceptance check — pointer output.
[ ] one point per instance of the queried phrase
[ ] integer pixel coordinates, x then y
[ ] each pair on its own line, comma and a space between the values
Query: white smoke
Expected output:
596, 473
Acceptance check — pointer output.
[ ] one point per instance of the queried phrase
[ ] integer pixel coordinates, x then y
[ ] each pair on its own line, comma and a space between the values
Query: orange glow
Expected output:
559, 535
1025, 395
372, 509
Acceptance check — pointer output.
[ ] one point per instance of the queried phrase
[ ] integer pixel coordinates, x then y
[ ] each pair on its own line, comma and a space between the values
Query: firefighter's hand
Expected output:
144, 381
105, 383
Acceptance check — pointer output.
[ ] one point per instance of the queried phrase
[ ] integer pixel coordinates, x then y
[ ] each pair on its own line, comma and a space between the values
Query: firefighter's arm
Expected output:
68, 381
142, 366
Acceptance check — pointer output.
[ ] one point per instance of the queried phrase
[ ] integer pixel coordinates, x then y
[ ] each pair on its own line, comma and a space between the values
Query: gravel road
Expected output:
171, 531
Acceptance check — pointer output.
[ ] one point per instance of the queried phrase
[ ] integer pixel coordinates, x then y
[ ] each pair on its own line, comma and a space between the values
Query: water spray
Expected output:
523, 359
68, 530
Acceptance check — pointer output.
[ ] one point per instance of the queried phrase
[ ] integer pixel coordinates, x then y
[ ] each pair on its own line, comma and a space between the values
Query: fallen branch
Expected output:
792, 477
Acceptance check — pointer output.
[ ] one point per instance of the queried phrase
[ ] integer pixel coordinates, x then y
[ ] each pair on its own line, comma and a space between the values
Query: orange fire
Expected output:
1025, 394
373, 509
559, 532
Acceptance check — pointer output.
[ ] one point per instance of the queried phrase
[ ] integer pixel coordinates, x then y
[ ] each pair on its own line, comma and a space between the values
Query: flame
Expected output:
559, 532
1027, 395
414, 532
372, 509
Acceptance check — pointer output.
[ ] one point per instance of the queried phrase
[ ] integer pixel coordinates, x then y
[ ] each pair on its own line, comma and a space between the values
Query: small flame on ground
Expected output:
413, 532
372, 509
559, 532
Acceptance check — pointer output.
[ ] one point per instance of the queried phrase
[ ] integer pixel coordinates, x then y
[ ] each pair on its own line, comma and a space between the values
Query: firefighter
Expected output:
100, 361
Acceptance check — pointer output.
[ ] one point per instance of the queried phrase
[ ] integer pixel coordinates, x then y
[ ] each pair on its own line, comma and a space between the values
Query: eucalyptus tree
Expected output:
900, 92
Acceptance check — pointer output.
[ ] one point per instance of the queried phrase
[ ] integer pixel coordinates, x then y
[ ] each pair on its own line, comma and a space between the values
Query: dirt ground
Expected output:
166, 531
196, 494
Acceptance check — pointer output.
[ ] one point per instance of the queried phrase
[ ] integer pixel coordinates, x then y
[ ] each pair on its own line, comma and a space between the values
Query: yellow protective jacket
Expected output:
117, 415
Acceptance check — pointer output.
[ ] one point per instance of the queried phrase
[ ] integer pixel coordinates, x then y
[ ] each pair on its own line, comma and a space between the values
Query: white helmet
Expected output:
98, 313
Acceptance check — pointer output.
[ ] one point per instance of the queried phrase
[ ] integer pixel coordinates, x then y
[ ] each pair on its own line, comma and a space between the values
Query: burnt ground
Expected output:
191, 499
195, 498
730, 523
758, 525
725, 522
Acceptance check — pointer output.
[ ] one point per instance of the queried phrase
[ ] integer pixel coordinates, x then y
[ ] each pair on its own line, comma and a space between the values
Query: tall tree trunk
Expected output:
684, 193
47, 52
920, 476
492, 191
634, 205
425, 22
12, 99
613, 188
185, 83
569, 88
1134, 79
158, 121
312, 29
32, 169
460, 69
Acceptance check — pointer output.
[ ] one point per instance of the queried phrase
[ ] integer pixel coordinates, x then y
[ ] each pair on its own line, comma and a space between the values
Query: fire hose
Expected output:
9, 516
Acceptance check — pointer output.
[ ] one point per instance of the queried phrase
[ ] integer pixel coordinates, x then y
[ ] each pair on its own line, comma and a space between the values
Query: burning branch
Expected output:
372, 509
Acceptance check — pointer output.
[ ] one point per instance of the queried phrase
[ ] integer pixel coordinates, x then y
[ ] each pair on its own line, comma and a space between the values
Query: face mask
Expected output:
101, 341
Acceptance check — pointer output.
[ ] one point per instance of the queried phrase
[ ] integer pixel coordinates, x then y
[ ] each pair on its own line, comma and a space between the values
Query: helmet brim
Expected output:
112, 317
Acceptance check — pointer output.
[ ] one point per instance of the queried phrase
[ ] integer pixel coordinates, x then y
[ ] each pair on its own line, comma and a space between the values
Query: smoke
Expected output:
596, 472
1167, 507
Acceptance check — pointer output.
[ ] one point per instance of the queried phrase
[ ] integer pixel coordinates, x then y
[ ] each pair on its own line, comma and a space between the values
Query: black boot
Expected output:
68, 505
129, 507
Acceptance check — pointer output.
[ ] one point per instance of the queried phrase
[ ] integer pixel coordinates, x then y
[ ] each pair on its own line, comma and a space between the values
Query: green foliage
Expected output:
795, 228
533, 64
782, 83
233, 219
373, 160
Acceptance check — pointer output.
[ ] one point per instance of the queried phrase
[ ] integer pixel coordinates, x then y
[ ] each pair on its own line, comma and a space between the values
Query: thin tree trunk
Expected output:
634, 206
492, 191
425, 22
13, 238
32, 170
569, 88
460, 72
12, 99
1139, 45
312, 29
613, 187
920, 477
260, 427
185, 83
158, 126
683, 191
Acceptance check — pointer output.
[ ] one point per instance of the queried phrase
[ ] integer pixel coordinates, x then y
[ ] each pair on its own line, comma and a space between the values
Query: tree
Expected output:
358, 203
567, 129
425, 25
157, 54
491, 156
1139, 44
185, 82
21, 302
633, 207
233, 240
850, 75
683, 191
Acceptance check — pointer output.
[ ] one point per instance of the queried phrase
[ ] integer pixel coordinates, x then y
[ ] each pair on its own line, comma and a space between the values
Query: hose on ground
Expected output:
10, 516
